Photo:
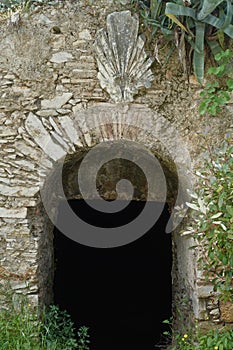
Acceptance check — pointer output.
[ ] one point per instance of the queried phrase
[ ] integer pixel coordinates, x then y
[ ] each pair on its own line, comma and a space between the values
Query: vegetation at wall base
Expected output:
195, 339
23, 329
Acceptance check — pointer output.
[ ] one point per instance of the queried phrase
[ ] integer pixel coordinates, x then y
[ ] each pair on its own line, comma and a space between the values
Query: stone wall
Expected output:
49, 93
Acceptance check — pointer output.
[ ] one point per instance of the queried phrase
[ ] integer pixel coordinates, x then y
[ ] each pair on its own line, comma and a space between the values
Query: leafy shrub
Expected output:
212, 217
217, 93
217, 340
58, 329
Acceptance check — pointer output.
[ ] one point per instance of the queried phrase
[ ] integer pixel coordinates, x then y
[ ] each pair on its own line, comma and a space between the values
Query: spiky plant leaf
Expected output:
198, 55
208, 7
179, 10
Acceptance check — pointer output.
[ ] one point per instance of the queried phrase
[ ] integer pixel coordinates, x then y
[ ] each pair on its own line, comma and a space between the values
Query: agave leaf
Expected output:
214, 46
228, 16
175, 20
221, 36
216, 22
208, 6
179, 10
155, 8
198, 55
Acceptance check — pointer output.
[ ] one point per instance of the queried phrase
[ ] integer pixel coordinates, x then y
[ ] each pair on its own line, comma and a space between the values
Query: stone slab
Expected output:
41, 136
19, 213
57, 102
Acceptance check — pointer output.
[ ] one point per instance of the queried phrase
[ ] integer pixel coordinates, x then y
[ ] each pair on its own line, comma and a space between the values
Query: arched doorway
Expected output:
174, 168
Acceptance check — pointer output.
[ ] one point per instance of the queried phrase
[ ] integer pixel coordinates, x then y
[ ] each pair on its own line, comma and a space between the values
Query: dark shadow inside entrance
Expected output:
122, 294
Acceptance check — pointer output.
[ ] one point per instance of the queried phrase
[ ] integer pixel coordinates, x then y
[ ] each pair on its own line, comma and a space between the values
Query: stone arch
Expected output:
65, 141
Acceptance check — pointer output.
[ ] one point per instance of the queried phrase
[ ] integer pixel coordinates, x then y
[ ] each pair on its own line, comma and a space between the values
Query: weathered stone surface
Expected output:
44, 20
85, 35
215, 313
226, 312
61, 57
4, 180
18, 191
199, 308
19, 213
47, 113
204, 291
57, 102
125, 2
122, 61
62, 111
5, 132
25, 164
15, 285
39, 134
68, 126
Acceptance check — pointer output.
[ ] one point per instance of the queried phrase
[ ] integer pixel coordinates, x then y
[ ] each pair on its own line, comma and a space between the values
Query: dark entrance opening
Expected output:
122, 294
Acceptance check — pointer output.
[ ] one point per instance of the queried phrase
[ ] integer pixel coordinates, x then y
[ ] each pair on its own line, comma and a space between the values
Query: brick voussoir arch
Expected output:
108, 122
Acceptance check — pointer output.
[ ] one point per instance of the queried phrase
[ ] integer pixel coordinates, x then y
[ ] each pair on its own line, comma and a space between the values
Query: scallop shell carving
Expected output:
121, 58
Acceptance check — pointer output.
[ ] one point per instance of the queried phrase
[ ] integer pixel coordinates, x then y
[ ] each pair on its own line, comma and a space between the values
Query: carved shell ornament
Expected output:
122, 61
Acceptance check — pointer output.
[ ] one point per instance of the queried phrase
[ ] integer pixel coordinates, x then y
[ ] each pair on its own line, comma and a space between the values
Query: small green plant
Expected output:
58, 332
58, 329
21, 327
217, 93
212, 218
176, 340
83, 341
214, 339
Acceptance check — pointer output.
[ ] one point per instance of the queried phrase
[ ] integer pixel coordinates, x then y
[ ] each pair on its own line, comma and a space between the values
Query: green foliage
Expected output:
212, 218
217, 93
214, 339
22, 329
58, 330
217, 339
19, 328
191, 24
83, 341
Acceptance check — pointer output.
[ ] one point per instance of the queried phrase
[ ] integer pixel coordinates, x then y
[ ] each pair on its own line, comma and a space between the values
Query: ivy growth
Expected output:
212, 218
217, 93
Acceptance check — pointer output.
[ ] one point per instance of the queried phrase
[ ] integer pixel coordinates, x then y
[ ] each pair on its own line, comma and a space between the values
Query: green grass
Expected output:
22, 329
